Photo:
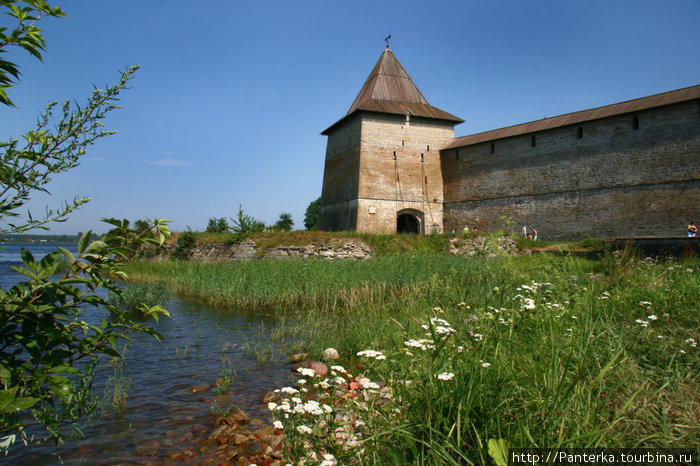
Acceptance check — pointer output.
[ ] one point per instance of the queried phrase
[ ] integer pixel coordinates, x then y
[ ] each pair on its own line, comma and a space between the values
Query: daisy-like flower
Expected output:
445, 376
278, 424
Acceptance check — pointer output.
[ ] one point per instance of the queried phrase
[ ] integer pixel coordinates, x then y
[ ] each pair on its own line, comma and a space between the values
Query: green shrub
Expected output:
183, 246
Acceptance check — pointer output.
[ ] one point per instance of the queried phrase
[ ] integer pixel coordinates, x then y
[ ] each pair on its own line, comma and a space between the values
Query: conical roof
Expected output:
389, 89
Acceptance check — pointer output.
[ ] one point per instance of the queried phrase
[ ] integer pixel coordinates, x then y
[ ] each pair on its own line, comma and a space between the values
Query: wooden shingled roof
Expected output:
389, 89
630, 106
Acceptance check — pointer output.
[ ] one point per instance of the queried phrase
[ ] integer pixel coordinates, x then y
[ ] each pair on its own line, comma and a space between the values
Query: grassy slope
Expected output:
577, 369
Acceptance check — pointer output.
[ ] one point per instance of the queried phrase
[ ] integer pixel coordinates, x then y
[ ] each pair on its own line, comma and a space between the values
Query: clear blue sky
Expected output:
231, 97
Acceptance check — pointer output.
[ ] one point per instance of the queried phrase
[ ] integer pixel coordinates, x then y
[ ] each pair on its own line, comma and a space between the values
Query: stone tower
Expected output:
382, 172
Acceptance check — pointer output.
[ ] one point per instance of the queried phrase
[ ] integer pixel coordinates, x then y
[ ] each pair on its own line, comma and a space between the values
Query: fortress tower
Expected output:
382, 172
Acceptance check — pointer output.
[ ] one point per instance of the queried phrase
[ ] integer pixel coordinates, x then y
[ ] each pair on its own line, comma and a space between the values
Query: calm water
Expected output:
163, 416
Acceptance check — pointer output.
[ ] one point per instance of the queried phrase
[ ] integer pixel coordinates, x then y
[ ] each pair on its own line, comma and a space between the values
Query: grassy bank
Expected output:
478, 354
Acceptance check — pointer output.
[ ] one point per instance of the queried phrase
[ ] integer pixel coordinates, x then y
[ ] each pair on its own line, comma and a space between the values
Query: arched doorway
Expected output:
409, 222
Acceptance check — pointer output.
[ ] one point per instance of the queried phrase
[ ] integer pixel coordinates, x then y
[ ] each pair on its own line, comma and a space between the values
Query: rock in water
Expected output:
298, 357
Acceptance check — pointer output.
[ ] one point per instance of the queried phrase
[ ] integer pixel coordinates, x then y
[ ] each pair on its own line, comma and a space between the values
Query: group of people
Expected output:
532, 234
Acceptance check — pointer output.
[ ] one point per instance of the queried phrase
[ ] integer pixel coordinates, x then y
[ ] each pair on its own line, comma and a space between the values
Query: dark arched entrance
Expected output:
407, 223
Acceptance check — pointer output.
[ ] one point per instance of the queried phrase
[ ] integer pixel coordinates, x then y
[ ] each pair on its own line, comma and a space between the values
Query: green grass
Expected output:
547, 351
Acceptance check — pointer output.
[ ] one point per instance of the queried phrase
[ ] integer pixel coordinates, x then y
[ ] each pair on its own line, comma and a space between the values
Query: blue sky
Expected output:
231, 97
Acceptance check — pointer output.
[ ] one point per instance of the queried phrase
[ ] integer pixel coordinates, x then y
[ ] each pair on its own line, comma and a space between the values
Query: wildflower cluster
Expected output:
323, 418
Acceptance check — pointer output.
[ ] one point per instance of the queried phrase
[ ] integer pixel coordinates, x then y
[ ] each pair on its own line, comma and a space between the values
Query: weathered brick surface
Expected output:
378, 165
614, 180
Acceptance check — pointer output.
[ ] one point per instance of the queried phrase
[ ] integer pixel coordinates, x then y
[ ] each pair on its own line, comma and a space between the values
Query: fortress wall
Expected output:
389, 183
613, 180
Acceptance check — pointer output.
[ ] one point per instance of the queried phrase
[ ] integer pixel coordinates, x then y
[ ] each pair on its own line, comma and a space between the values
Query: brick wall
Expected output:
379, 164
627, 175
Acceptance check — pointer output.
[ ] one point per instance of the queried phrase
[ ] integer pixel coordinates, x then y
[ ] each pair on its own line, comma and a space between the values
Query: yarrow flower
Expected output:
302, 429
423, 344
441, 326
306, 371
378, 355
278, 424
445, 376
485, 364
340, 369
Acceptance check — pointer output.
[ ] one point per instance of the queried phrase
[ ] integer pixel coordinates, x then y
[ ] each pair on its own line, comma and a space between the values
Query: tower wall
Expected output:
400, 170
341, 176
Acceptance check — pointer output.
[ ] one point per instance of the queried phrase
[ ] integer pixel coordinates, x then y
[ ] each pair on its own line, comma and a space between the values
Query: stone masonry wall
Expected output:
605, 179
341, 178
400, 169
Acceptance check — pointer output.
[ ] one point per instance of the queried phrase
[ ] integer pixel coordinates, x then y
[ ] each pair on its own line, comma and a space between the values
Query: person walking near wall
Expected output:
692, 230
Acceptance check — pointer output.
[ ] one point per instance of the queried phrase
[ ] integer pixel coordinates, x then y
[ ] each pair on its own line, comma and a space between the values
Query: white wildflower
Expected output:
278, 424
445, 376
340, 369
302, 429
485, 364
306, 371
372, 354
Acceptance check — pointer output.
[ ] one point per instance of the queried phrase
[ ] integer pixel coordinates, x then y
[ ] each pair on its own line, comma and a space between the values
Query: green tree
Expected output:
285, 222
312, 213
244, 224
212, 227
48, 352
222, 225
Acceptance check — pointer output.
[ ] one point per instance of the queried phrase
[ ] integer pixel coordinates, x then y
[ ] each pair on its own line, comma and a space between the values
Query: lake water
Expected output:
163, 416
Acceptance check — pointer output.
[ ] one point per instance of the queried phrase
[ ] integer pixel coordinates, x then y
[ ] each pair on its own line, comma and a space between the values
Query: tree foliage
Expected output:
244, 224
48, 350
217, 225
26, 35
285, 222
312, 214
